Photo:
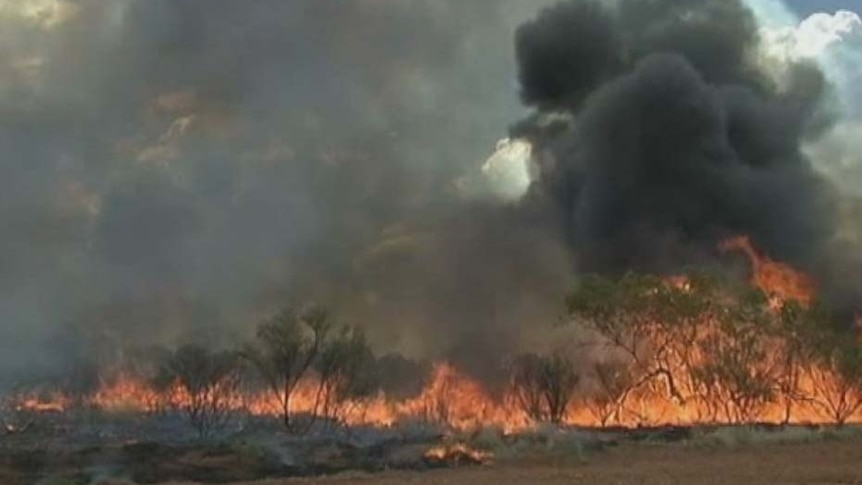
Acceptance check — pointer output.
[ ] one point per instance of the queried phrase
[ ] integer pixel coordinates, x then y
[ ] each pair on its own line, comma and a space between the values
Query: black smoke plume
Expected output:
677, 139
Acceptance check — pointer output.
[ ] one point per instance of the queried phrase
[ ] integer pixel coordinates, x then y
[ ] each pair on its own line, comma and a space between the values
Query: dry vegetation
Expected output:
713, 358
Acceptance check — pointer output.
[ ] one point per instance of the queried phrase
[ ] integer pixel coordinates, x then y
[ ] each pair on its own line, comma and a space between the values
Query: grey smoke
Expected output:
174, 171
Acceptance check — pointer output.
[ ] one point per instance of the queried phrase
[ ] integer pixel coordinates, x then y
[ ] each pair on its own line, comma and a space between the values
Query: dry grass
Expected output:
821, 462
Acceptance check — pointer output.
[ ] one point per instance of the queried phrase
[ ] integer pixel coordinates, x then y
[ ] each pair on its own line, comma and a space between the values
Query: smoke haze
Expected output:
174, 171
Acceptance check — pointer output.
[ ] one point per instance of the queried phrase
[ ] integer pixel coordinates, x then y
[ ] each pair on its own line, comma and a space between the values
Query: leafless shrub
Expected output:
544, 385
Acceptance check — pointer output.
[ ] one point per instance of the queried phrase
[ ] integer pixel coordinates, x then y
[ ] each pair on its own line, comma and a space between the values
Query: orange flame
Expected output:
455, 400
456, 451
53, 403
779, 280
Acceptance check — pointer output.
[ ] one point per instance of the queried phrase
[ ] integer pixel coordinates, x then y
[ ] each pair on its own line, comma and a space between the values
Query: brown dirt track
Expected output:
823, 463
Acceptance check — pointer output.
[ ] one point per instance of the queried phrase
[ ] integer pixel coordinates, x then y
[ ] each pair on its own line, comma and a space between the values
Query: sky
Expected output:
807, 7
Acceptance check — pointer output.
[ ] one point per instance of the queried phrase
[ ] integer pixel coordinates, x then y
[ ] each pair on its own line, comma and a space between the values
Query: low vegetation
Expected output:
651, 351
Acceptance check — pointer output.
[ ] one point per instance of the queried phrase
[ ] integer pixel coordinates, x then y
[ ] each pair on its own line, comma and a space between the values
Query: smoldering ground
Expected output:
174, 171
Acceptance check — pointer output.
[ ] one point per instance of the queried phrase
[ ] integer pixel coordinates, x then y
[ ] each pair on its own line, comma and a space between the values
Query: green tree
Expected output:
738, 368
649, 323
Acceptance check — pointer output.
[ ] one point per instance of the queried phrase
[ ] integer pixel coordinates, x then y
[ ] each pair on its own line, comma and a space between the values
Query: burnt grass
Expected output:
149, 462
69, 450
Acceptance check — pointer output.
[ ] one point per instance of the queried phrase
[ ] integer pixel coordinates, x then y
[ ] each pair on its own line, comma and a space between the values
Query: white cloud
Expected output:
833, 41
813, 37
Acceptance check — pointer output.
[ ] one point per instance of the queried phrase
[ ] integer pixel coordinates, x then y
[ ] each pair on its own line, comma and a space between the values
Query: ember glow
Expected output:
458, 451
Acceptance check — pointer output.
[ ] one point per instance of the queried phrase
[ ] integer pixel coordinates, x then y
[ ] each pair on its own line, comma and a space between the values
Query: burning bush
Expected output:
345, 370
207, 384
543, 385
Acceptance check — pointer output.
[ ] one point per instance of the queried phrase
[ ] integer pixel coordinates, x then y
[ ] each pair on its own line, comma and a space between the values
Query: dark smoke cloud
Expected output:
678, 138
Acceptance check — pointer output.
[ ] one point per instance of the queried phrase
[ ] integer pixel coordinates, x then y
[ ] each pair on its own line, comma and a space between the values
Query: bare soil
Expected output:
838, 462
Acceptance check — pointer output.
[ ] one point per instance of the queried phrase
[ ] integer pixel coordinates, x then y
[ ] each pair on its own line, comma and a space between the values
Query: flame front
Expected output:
453, 399
456, 401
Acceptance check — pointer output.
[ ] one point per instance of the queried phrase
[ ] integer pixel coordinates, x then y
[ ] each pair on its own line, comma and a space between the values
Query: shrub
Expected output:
544, 385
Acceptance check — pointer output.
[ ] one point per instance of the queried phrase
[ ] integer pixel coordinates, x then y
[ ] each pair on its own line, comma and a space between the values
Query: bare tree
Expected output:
285, 349
544, 385
209, 381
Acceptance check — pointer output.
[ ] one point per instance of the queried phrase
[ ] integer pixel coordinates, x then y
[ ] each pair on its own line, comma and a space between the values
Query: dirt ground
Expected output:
813, 463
